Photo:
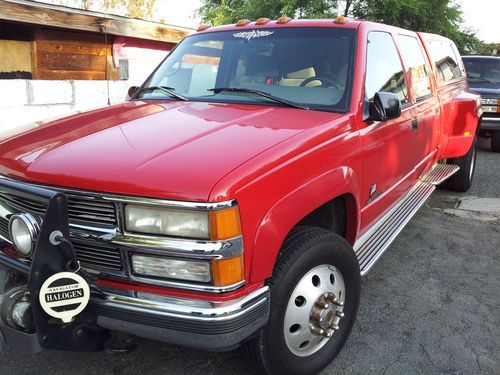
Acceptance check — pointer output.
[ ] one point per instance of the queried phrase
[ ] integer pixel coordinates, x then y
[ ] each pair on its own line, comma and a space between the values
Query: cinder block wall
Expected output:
27, 101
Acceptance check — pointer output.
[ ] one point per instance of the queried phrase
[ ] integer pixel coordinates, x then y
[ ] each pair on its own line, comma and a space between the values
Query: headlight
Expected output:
213, 225
168, 222
24, 230
489, 101
190, 270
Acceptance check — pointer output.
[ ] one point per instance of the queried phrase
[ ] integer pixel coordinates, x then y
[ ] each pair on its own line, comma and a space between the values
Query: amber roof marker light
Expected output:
283, 19
262, 21
340, 20
203, 26
243, 22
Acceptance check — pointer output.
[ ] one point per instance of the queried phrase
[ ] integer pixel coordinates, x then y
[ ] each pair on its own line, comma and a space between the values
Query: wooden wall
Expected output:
63, 55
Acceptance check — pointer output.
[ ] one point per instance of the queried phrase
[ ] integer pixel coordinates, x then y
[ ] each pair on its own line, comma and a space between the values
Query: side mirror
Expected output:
385, 106
132, 90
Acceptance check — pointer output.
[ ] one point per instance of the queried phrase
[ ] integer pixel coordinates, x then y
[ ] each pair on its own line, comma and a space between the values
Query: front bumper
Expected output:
199, 324
189, 322
193, 323
489, 123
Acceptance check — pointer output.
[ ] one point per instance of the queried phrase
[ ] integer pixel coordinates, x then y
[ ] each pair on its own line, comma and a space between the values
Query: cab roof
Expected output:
330, 22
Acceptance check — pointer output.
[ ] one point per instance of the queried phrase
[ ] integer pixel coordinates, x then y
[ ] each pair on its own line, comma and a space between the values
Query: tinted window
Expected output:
414, 58
384, 71
311, 66
446, 61
482, 70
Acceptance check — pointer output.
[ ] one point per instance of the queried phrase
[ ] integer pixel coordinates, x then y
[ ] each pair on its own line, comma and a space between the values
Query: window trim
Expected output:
366, 101
431, 93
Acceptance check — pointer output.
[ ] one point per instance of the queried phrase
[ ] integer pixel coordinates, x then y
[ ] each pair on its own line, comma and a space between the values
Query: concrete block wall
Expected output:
27, 101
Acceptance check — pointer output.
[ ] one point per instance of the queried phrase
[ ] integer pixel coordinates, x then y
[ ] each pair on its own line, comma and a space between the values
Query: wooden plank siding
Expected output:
72, 55
68, 18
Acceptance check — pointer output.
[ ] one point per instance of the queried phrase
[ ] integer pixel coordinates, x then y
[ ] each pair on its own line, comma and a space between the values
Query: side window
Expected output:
446, 61
414, 57
384, 71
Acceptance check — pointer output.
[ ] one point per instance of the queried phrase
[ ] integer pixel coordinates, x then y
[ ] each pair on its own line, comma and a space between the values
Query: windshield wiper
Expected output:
264, 94
167, 90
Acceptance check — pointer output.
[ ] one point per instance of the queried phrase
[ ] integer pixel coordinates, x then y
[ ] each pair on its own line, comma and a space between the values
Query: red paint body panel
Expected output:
278, 163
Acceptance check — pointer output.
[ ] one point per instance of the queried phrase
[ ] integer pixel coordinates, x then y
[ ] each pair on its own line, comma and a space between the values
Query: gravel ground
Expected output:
430, 306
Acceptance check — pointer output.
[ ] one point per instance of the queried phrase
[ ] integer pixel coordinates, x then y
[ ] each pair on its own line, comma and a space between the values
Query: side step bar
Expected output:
440, 173
372, 244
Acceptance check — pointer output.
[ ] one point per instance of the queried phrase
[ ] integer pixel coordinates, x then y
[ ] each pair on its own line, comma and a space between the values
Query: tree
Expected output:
220, 12
442, 17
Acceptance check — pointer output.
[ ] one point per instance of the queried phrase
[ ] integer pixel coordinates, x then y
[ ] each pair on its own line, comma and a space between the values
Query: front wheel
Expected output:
315, 290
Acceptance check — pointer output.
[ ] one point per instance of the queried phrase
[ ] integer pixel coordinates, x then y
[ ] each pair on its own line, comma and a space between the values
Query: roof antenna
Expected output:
104, 28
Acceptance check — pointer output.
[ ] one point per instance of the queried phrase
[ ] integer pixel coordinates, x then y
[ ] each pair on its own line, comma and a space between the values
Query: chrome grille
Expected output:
91, 210
4, 227
23, 204
98, 256
80, 209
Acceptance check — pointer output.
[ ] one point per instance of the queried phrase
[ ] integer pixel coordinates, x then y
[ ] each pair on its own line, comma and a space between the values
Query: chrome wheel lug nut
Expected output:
322, 304
335, 327
318, 331
327, 334
340, 314
338, 302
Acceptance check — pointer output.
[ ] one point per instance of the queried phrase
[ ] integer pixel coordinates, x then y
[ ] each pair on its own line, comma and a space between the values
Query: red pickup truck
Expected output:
237, 197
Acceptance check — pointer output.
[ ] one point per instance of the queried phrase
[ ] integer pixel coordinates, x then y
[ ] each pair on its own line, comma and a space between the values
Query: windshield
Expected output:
483, 69
311, 67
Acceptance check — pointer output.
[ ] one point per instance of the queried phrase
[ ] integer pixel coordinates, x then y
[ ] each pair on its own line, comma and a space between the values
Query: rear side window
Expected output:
414, 57
446, 61
384, 71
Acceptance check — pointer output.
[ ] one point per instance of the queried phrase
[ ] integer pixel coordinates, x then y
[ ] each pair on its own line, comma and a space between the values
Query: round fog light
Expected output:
23, 230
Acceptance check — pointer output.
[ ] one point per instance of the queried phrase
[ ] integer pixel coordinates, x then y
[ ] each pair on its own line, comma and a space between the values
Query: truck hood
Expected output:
163, 149
486, 89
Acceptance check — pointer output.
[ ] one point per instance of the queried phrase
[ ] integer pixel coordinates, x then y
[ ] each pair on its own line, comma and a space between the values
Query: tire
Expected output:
462, 180
308, 254
495, 141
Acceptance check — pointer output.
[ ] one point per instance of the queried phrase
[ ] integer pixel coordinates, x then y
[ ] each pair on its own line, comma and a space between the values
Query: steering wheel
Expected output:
325, 81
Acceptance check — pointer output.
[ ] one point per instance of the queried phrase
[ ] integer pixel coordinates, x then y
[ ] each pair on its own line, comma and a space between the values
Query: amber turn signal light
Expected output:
225, 224
228, 271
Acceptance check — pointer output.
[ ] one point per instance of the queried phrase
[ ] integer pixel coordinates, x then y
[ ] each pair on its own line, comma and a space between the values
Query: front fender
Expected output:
293, 207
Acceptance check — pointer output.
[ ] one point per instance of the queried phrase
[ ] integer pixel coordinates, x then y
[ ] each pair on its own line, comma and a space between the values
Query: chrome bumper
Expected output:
193, 323
489, 123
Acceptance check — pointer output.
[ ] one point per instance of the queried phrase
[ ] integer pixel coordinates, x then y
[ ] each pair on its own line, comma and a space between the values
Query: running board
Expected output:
440, 173
372, 244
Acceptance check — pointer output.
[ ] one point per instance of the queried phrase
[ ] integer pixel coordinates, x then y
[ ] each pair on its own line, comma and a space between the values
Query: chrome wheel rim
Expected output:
315, 310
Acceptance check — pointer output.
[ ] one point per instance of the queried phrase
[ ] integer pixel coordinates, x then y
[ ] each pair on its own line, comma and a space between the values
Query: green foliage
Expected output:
489, 49
442, 17
220, 12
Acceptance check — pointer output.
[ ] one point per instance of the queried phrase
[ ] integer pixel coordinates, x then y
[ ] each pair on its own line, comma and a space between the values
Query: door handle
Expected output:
414, 124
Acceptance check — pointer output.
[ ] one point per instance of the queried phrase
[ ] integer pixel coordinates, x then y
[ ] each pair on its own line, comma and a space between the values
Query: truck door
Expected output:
388, 157
427, 124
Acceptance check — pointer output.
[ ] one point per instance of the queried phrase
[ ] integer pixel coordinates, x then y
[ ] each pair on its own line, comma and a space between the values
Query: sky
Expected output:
483, 16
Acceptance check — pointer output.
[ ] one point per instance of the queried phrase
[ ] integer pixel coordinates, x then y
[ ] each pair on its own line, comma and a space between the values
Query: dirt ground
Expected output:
430, 306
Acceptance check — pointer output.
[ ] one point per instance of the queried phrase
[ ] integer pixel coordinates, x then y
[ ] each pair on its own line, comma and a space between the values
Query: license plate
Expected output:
490, 108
